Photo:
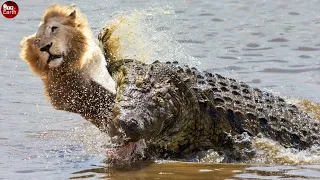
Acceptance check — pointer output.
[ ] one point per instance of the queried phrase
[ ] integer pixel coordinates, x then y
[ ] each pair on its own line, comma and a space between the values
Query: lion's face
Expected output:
51, 40
61, 41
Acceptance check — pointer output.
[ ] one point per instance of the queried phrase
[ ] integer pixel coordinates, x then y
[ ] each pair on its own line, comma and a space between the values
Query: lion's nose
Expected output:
46, 47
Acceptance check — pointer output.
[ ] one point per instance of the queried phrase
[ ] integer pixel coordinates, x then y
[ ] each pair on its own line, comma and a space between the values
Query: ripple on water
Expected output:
278, 40
304, 173
179, 12
253, 45
234, 68
304, 48
162, 28
264, 61
294, 13
206, 14
258, 34
227, 57
217, 20
292, 71
257, 49
278, 172
297, 65
255, 176
252, 55
190, 41
305, 56
167, 171
271, 168
255, 81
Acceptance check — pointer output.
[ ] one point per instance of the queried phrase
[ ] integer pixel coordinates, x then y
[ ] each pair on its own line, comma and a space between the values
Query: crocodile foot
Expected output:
236, 148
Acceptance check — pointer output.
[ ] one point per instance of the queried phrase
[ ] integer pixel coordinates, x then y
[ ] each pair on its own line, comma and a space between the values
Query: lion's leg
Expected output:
110, 44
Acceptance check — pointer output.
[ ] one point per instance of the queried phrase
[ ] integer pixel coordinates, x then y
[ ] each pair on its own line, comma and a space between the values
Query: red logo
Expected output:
9, 9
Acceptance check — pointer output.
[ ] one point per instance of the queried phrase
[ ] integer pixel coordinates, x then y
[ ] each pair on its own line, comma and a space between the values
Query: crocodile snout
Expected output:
132, 129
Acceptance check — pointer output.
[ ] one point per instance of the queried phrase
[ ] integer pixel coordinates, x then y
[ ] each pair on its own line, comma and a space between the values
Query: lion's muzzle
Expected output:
58, 58
46, 48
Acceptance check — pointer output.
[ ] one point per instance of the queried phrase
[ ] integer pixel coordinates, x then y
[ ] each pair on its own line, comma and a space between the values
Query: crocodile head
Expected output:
142, 124
155, 109
154, 112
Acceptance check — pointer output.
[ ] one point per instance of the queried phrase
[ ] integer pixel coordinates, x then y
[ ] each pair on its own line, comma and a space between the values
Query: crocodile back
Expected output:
238, 108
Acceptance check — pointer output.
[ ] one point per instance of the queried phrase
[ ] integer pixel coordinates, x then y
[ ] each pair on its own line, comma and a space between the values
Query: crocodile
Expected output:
179, 111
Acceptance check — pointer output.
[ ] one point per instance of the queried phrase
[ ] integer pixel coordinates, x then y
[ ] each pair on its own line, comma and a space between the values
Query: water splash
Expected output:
125, 155
146, 35
310, 107
211, 157
80, 143
271, 152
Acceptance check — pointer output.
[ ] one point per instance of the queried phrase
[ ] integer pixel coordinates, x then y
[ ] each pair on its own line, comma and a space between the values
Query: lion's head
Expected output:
60, 42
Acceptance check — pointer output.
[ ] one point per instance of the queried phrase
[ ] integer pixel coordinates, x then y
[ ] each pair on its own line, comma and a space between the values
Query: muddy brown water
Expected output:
273, 45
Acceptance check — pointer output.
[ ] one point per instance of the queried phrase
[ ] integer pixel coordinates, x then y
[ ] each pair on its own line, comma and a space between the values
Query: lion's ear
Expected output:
70, 19
73, 14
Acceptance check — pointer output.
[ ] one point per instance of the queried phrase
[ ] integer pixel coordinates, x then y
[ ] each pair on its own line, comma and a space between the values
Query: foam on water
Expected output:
271, 152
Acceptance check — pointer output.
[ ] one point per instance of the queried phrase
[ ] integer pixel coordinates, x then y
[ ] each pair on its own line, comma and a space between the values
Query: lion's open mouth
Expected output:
54, 60
53, 57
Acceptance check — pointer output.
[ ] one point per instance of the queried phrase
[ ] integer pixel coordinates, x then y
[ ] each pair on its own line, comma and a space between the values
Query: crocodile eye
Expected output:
54, 28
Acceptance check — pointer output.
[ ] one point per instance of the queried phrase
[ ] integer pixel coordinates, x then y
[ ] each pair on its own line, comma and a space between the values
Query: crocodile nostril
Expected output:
46, 47
132, 129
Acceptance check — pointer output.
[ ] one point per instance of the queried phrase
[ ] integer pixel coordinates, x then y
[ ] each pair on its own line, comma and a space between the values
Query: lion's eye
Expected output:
37, 41
54, 28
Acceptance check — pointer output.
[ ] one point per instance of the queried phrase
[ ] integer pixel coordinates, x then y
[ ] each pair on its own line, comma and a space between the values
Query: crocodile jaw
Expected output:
126, 154
121, 154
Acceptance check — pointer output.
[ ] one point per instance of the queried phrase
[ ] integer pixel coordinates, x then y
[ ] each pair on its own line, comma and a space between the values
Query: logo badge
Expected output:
9, 9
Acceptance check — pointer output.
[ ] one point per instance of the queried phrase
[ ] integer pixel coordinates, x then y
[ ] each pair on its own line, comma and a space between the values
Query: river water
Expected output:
273, 45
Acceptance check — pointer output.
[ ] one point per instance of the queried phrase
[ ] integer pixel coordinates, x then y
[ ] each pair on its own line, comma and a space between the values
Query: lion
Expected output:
64, 55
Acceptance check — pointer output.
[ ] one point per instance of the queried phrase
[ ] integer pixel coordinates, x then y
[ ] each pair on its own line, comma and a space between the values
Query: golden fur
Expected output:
76, 33
33, 56
69, 79
62, 11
